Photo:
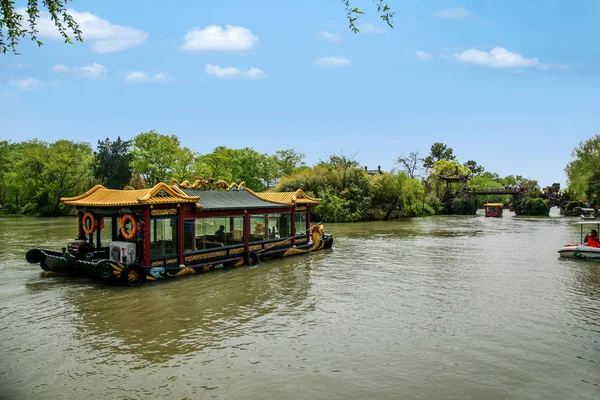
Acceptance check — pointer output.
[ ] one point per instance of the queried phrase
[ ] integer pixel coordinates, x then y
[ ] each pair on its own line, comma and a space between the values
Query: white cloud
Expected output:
104, 36
219, 72
255, 73
369, 29
329, 36
143, 77
332, 62
233, 73
423, 55
90, 71
28, 83
19, 66
453, 13
499, 57
215, 38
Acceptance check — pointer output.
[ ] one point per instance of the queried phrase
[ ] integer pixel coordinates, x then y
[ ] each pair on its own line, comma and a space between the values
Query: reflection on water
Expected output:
435, 308
163, 321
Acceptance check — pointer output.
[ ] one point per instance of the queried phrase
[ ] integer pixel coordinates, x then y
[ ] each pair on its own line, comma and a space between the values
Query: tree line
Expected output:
583, 177
34, 175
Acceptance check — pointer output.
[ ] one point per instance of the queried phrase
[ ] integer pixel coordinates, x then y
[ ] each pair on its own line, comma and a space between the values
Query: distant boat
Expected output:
493, 209
587, 213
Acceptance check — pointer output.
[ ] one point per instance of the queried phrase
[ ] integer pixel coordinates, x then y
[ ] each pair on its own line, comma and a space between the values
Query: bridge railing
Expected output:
498, 190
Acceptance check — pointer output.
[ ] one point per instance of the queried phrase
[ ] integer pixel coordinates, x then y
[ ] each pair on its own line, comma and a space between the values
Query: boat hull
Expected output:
580, 252
113, 272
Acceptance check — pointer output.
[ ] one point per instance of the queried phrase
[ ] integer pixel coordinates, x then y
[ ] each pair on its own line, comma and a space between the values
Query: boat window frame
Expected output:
265, 218
305, 229
187, 252
176, 246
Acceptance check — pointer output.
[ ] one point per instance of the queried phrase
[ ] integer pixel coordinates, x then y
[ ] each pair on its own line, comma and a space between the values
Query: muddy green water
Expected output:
431, 308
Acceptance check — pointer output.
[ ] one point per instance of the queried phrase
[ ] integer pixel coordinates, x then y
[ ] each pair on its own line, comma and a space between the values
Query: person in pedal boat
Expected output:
592, 239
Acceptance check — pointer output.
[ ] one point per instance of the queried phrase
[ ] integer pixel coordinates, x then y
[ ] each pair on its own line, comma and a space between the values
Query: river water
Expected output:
444, 307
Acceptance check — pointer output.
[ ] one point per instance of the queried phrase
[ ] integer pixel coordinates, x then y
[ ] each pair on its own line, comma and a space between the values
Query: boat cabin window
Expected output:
106, 232
208, 233
270, 226
300, 223
163, 237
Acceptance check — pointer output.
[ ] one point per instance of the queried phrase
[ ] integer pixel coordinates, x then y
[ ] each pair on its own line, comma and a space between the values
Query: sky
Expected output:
513, 85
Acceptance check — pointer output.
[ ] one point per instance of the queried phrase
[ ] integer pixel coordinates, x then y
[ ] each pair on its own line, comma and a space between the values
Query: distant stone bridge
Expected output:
511, 191
552, 196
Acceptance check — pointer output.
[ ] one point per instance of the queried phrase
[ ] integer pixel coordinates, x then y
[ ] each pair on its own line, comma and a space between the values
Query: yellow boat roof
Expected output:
493, 205
289, 198
99, 196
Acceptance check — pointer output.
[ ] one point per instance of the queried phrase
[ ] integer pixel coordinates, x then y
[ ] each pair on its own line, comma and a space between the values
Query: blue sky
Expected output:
513, 85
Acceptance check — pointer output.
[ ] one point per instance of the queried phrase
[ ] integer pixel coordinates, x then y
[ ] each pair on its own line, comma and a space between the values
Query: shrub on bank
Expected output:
571, 208
463, 205
531, 206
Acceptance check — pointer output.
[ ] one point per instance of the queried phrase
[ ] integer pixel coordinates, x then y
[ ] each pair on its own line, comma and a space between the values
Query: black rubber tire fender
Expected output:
103, 270
34, 256
124, 277
252, 258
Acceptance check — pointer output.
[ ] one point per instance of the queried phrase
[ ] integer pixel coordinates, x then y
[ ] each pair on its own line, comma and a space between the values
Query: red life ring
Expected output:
128, 218
84, 224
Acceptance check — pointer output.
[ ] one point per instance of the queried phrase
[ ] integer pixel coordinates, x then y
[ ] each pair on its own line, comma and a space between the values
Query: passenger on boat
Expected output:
592, 239
220, 234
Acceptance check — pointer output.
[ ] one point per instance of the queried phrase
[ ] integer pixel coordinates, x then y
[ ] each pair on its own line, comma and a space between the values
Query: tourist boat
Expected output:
582, 251
128, 237
587, 213
493, 209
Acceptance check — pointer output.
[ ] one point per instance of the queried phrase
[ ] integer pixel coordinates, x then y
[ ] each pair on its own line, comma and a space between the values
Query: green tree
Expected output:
439, 151
489, 180
593, 189
529, 205
513, 180
12, 29
586, 162
40, 173
27, 160
183, 168
446, 168
112, 159
4, 170
215, 165
338, 181
67, 172
397, 192
155, 156
332, 207
288, 161
475, 168
312, 180
411, 163
342, 163
256, 169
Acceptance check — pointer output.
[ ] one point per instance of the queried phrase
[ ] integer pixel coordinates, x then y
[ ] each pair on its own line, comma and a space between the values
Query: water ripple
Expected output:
442, 307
